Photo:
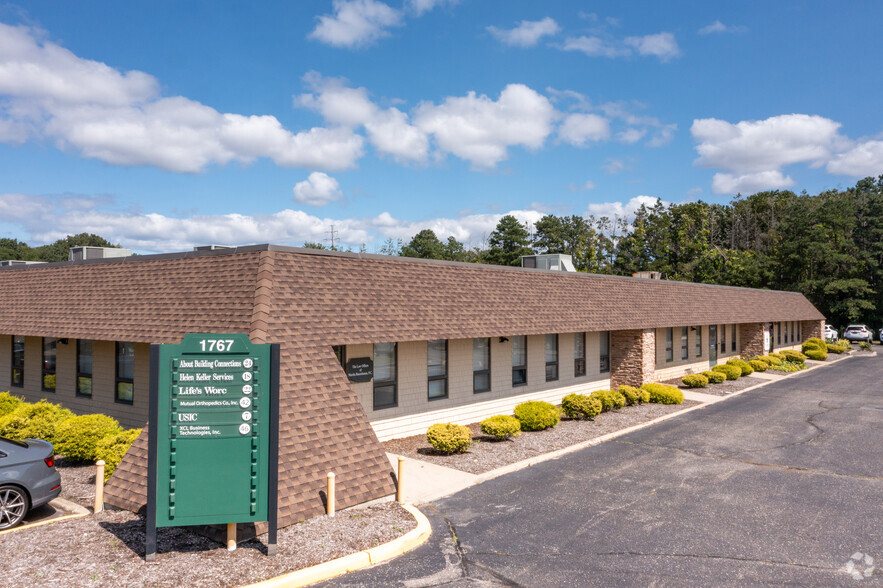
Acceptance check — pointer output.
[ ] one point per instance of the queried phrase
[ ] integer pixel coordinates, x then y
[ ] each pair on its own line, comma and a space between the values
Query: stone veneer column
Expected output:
812, 329
751, 336
632, 357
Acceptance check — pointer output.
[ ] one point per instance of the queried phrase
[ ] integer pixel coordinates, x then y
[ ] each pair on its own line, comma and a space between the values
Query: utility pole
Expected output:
332, 238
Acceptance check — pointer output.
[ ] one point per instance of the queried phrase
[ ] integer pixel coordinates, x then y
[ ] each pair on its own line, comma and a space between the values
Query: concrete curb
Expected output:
355, 561
75, 511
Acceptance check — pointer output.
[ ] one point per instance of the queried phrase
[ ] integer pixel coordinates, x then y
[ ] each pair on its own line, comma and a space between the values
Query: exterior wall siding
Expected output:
6, 363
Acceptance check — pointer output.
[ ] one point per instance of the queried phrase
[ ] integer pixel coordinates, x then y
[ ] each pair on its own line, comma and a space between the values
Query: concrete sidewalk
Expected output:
424, 482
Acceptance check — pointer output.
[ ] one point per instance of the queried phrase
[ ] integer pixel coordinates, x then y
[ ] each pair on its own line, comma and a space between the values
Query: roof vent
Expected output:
648, 275
18, 262
211, 247
88, 252
550, 261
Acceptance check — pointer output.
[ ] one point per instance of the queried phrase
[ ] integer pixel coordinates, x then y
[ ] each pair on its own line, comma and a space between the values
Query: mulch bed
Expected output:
724, 388
107, 549
77, 481
488, 454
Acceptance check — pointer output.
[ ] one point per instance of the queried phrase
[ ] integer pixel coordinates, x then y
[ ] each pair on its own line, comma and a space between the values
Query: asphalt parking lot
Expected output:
781, 485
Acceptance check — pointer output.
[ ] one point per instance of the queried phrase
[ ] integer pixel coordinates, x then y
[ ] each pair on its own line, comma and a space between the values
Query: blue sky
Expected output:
165, 125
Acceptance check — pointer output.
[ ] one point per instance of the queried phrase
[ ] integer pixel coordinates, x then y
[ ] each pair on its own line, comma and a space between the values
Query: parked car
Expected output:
858, 333
28, 478
830, 332
881, 336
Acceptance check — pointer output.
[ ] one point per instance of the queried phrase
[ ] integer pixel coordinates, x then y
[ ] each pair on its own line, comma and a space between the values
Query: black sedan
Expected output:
28, 478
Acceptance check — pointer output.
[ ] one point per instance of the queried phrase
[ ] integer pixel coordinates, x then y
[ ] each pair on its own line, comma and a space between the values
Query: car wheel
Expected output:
13, 506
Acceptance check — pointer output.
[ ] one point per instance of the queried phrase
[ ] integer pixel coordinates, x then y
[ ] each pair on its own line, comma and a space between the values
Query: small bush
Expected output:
501, 427
609, 399
8, 403
76, 438
714, 377
695, 381
772, 359
814, 343
34, 421
789, 367
113, 448
832, 348
743, 365
634, 395
536, 415
449, 438
864, 346
816, 354
663, 394
793, 356
580, 406
778, 356
732, 372
758, 365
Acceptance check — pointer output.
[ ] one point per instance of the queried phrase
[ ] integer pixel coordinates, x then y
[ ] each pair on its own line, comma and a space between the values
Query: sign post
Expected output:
213, 432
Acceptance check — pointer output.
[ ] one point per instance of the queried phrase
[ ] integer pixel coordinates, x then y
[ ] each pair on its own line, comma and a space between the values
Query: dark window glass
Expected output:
604, 355
732, 337
125, 380
579, 354
340, 353
437, 366
481, 365
18, 361
699, 341
84, 367
551, 358
723, 338
669, 345
50, 345
519, 360
385, 375
684, 334
779, 333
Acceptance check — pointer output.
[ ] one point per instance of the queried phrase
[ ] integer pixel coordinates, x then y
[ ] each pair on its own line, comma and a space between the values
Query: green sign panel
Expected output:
212, 409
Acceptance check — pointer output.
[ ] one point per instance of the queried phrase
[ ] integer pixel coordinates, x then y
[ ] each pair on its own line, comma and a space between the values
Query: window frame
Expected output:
552, 364
779, 333
81, 374
444, 377
520, 369
685, 343
698, 341
21, 366
486, 371
394, 382
604, 358
722, 337
340, 354
669, 345
44, 370
120, 380
733, 344
579, 361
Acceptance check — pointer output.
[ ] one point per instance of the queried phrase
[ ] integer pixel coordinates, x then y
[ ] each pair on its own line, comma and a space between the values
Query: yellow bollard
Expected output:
231, 536
99, 486
331, 495
400, 487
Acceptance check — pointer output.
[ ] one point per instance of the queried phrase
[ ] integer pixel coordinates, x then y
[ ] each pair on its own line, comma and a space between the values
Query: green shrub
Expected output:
536, 415
780, 356
663, 394
8, 403
113, 448
814, 343
580, 406
732, 372
695, 381
743, 365
501, 426
816, 354
758, 365
449, 438
843, 342
34, 421
609, 399
832, 348
772, 359
76, 438
714, 377
864, 346
633, 395
789, 367
793, 356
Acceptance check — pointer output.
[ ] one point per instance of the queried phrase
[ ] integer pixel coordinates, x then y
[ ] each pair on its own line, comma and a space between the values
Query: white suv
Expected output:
830, 332
858, 333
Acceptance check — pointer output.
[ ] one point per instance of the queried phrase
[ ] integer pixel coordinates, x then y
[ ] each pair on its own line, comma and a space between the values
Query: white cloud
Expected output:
587, 185
419, 7
750, 183
317, 190
719, 27
119, 118
614, 165
579, 129
594, 47
479, 129
527, 34
661, 45
618, 209
356, 23
864, 159
663, 135
631, 135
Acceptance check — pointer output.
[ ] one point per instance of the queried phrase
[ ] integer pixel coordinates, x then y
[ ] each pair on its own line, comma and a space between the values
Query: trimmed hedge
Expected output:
536, 415
663, 394
77, 437
8, 403
793, 356
816, 354
772, 359
695, 381
633, 395
609, 399
581, 406
759, 365
732, 372
743, 365
832, 348
34, 421
449, 438
113, 448
778, 355
714, 377
501, 427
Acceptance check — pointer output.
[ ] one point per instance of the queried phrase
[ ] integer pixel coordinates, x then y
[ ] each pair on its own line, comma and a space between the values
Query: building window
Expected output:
18, 361
723, 336
84, 368
519, 360
669, 345
579, 354
699, 341
385, 375
684, 349
437, 365
125, 379
551, 358
49, 354
779, 333
604, 359
733, 338
340, 354
792, 331
481, 365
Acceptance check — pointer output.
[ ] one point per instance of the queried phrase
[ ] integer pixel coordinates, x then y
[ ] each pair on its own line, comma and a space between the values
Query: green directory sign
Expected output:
213, 433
